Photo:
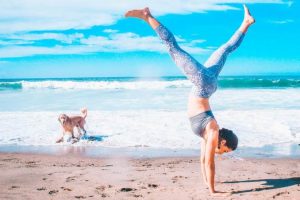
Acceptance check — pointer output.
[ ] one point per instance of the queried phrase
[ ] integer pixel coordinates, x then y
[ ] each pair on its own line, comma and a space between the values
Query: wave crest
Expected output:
98, 84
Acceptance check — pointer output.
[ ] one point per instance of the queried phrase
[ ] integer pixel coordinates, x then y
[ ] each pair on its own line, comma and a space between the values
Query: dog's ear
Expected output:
59, 117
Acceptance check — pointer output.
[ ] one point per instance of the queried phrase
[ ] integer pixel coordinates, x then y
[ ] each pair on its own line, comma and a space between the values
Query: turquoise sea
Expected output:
134, 112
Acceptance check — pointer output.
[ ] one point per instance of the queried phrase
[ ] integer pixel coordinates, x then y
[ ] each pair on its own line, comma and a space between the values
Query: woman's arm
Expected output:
211, 144
202, 161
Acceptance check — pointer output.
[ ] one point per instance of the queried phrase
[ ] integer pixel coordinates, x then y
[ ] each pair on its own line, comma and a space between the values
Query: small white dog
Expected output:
69, 123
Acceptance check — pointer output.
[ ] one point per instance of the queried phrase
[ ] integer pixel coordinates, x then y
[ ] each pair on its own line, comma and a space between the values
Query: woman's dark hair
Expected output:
231, 139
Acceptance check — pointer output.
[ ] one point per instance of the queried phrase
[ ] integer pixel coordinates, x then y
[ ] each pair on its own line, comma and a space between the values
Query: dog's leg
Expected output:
79, 131
82, 127
74, 139
60, 140
84, 131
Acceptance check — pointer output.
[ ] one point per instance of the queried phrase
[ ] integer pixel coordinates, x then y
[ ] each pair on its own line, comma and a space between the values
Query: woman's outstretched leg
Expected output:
190, 66
217, 60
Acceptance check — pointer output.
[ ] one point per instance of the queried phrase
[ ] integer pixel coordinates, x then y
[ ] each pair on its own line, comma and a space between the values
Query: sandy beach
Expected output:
159, 83
34, 176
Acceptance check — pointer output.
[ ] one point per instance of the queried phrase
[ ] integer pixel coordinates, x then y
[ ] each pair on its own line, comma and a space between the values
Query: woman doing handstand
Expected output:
204, 79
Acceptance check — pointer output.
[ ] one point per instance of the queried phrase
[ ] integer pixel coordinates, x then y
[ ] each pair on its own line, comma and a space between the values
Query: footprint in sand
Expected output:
66, 189
103, 195
141, 170
147, 165
176, 178
52, 192
9, 159
280, 193
71, 178
105, 167
127, 189
14, 187
30, 164
152, 185
80, 197
100, 188
41, 189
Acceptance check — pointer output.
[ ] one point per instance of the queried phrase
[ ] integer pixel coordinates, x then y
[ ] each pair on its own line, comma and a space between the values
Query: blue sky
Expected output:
82, 38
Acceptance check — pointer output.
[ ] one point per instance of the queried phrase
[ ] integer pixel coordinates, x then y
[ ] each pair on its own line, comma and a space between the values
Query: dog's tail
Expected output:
84, 112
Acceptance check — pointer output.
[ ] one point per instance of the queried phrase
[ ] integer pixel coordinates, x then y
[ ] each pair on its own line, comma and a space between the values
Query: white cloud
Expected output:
125, 42
22, 51
282, 21
68, 39
14, 42
110, 31
18, 17
34, 15
115, 42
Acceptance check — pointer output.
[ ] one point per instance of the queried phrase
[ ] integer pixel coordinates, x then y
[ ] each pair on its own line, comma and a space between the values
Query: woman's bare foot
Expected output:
248, 19
141, 14
145, 15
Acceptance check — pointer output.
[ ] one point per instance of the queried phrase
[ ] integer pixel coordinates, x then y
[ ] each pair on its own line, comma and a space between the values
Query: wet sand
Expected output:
34, 176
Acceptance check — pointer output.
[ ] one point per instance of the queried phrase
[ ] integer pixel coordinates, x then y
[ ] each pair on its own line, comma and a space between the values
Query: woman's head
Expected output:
228, 141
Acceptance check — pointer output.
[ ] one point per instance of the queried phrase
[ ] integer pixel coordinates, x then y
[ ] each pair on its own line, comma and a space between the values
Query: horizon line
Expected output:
152, 77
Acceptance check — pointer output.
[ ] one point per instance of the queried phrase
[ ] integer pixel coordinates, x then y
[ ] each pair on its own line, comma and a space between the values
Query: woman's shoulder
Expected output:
211, 130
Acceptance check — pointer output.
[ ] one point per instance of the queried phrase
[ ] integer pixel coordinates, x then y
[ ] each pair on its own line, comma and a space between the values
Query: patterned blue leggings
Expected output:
204, 77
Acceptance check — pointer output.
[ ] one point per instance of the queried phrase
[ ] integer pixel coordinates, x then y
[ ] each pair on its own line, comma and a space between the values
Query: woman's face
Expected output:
223, 148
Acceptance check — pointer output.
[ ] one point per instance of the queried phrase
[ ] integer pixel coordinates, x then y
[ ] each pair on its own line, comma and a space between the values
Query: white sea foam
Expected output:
152, 128
98, 85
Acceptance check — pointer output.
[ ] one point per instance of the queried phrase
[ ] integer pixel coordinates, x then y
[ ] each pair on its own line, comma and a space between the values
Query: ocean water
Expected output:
150, 113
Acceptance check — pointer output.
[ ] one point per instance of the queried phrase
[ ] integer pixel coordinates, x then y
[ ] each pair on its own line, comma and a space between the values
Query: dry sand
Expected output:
27, 176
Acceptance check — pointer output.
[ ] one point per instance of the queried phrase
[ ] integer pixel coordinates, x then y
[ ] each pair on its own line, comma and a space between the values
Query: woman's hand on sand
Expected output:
220, 194
206, 183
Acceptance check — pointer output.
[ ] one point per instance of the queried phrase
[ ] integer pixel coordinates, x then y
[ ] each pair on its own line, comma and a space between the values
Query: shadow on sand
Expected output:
271, 183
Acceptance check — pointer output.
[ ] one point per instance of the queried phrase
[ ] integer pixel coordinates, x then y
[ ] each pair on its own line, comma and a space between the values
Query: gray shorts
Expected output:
199, 122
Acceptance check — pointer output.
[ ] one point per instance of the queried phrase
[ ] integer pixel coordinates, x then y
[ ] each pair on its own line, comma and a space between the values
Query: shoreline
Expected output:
284, 150
37, 176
